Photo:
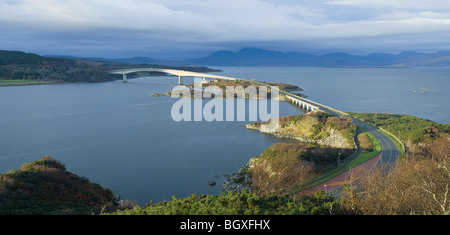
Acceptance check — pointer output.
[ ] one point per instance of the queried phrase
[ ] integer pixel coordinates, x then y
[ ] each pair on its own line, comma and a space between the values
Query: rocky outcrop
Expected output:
315, 127
335, 139
240, 180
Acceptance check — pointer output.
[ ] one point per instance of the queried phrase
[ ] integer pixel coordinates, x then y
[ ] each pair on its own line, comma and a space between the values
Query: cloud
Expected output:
156, 26
397, 4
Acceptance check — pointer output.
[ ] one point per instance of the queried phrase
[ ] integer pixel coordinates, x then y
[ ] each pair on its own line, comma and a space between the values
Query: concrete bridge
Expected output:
179, 73
310, 105
301, 102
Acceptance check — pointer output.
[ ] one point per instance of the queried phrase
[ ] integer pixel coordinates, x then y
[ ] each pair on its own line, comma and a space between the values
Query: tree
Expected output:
279, 172
364, 141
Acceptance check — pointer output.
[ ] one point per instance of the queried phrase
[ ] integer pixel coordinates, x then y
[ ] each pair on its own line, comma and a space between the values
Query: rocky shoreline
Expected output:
239, 180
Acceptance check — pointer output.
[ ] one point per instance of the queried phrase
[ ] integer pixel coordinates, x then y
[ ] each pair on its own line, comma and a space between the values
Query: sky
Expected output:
182, 29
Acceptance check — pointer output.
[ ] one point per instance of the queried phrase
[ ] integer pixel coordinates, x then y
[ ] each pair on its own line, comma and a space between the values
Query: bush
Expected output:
280, 173
243, 203
364, 141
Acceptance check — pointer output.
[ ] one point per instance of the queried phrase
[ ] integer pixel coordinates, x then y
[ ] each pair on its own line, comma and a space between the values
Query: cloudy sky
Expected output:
180, 29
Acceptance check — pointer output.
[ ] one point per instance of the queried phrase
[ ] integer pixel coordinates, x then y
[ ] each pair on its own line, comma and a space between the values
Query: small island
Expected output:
223, 84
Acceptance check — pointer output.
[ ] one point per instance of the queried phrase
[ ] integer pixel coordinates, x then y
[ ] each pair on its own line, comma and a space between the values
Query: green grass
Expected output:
365, 156
23, 82
398, 144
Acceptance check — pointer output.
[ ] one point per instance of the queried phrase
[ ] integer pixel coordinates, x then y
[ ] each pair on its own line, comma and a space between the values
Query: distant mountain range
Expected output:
261, 57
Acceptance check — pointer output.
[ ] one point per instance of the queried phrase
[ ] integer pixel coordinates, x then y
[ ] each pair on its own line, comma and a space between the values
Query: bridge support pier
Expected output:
124, 79
179, 80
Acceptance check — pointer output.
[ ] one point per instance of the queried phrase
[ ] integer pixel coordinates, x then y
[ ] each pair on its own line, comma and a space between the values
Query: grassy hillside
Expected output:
45, 187
409, 129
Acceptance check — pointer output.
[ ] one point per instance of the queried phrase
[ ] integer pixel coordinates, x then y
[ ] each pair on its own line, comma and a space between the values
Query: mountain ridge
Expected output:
261, 57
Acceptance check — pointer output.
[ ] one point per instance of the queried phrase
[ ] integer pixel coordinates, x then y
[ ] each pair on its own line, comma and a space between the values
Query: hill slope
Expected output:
45, 187
17, 65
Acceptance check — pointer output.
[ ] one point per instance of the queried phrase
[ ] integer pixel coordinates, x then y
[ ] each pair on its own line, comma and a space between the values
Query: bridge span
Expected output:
301, 102
179, 73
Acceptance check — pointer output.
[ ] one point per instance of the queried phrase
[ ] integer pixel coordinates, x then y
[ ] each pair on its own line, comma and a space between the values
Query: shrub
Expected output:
364, 141
243, 203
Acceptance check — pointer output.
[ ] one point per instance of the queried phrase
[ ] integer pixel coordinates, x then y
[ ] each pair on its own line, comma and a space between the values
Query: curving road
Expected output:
390, 153
386, 159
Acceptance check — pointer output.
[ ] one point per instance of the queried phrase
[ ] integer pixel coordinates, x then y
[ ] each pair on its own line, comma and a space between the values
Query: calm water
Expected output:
382, 90
119, 136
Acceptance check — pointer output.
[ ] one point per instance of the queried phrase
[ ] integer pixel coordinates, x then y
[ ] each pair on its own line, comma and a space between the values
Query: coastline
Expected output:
8, 83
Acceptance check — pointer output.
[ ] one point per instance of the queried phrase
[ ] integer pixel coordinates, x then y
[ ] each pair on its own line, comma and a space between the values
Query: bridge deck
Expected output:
180, 73
183, 73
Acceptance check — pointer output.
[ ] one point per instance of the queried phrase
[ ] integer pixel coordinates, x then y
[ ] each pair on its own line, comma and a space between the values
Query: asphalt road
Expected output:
389, 150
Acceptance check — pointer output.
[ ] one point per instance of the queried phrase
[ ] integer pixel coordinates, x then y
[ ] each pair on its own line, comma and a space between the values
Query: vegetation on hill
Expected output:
19, 58
409, 129
283, 168
45, 187
315, 126
16, 65
419, 184
243, 203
